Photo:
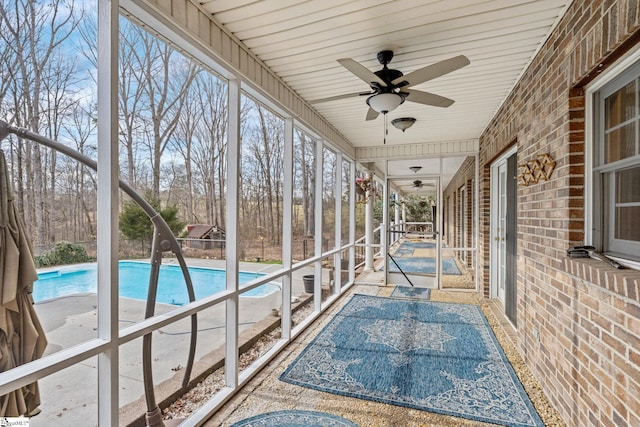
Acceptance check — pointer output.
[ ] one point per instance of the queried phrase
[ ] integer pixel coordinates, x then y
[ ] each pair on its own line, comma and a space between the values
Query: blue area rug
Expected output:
407, 248
423, 265
295, 419
411, 292
436, 357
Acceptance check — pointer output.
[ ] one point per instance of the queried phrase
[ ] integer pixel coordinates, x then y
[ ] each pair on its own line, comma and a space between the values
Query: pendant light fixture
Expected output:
403, 123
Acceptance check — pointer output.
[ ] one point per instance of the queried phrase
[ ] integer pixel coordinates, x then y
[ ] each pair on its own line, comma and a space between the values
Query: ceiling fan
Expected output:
390, 88
419, 184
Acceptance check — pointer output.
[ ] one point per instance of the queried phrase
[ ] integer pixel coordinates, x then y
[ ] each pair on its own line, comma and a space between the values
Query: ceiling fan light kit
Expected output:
385, 102
390, 88
403, 123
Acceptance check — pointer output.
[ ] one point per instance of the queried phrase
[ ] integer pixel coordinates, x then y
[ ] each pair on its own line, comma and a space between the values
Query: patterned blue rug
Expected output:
423, 265
295, 419
407, 248
411, 292
436, 357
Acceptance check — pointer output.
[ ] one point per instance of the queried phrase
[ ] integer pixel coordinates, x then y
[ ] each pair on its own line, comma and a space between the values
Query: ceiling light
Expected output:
385, 102
415, 169
403, 123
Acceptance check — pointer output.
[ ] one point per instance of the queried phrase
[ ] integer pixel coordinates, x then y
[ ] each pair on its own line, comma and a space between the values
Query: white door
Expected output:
498, 227
463, 223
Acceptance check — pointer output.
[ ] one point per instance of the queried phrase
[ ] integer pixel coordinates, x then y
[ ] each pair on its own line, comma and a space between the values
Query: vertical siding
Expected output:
417, 150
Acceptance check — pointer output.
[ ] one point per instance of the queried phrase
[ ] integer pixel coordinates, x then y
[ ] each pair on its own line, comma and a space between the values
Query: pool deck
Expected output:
68, 397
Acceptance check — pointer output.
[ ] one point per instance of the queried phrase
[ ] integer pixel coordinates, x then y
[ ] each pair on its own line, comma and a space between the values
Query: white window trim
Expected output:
596, 85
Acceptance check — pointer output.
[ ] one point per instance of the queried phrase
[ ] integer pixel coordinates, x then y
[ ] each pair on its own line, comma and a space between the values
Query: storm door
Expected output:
503, 233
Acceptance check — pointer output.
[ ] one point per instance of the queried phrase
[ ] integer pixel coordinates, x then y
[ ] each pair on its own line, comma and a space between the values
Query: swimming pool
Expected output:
134, 282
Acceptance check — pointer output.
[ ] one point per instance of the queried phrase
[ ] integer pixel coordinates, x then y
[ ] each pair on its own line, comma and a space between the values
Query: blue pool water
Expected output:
134, 282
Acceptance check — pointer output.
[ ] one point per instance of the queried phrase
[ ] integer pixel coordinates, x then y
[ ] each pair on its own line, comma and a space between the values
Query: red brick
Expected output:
626, 336
591, 309
615, 401
614, 343
602, 321
618, 420
634, 357
626, 367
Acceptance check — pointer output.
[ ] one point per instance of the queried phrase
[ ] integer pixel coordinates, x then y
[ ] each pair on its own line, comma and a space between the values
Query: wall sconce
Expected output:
403, 123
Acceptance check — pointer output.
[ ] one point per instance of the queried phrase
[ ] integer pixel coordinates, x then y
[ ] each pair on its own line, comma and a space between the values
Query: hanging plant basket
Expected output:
365, 187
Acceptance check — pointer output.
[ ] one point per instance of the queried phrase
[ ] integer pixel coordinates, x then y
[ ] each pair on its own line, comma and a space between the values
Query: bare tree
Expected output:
173, 127
61, 82
131, 99
304, 153
267, 148
33, 33
80, 128
165, 78
210, 147
183, 142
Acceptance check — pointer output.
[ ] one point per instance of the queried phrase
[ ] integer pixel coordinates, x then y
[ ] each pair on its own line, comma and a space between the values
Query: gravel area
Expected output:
265, 392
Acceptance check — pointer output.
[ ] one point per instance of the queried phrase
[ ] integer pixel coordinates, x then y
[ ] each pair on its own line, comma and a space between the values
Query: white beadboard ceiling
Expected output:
300, 40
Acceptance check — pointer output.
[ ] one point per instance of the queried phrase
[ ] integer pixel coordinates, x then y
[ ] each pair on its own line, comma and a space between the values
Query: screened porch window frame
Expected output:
110, 338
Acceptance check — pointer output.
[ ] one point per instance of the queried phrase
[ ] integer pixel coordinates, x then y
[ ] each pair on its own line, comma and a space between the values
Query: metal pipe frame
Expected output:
163, 241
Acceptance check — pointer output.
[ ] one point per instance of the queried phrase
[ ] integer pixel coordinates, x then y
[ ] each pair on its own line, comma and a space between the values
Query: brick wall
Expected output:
462, 178
578, 321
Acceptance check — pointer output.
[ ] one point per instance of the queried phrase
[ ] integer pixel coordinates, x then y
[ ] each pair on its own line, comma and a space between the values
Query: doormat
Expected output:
423, 266
431, 356
295, 419
406, 248
411, 292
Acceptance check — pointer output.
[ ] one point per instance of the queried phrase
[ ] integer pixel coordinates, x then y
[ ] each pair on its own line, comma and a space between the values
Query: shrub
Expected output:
136, 225
63, 253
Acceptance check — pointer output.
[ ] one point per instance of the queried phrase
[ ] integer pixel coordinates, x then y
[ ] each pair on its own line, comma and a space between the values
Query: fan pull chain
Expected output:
386, 130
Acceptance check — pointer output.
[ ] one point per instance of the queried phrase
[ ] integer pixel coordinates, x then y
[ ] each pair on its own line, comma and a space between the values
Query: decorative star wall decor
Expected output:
536, 170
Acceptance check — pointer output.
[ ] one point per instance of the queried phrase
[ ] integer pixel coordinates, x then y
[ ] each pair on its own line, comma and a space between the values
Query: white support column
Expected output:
287, 228
439, 223
368, 228
352, 220
404, 215
317, 289
476, 219
396, 219
384, 230
232, 264
107, 232
337, 259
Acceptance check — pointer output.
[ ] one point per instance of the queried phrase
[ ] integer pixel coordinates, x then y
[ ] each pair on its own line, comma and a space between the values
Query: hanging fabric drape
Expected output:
22, 338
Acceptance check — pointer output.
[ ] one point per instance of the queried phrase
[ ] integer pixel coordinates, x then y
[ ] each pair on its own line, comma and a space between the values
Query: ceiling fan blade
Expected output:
361, 72
428, 98
432, 71
372, 114
337, 97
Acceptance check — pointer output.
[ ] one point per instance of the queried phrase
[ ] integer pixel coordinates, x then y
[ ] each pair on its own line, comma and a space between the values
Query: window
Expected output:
616, 166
